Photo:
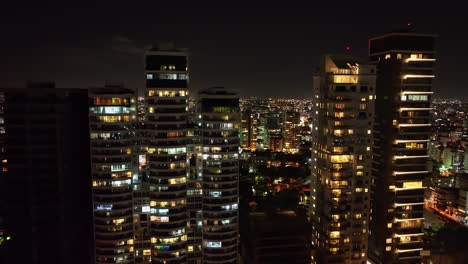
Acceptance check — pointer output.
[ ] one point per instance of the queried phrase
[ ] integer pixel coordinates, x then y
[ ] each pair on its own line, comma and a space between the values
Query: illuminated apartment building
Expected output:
341, 159
405, 63
112, 117
166, 71
194, 194
219, 116
290, 124
248, 131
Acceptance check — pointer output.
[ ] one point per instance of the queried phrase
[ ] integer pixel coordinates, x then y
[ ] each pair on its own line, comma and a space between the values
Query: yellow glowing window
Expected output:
153, 203
416, 56
151, 150
339, 106
146, 252
362, 106
338, 149
358, 189
345, 79
391, 187
414, 145
388, 56
359, 173
388, 248
151, 109
167, 93
350, 131
339, 123
339, 114
183, 93
128, 151
399, 56
415, 184
130, 242
358, 216
341, 158
338, 132
388, 240
395, 122
389, 225
190, 248
153, 240
118, 221
334, 234
368, 148
150, 92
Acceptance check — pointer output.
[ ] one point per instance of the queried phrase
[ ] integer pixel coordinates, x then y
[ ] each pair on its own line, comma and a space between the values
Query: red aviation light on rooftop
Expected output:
348, 48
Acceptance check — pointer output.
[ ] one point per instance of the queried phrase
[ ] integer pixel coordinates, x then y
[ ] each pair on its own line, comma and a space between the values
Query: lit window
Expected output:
213, 244
414, 184
418, 97
388, 248
339, 114
339, 106
149, 76
338, 132
387, 56
341, 158
388, 241
389, 225
399, 56
190, 248
345, 79
118, 221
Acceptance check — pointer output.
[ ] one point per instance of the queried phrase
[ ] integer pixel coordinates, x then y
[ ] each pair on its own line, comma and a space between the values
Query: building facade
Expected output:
166, 71
341, 159
45, 192
112, 118
219, 118
405, 63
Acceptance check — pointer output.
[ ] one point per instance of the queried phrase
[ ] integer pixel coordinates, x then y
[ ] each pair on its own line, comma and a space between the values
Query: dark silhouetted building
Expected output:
45, 185
277, 237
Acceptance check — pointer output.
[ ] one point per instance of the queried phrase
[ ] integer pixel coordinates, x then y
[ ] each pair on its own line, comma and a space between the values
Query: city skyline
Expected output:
259, 50
230, 134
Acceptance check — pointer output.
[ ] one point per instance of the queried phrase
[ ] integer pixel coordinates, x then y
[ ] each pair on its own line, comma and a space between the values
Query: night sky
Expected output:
259, 49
